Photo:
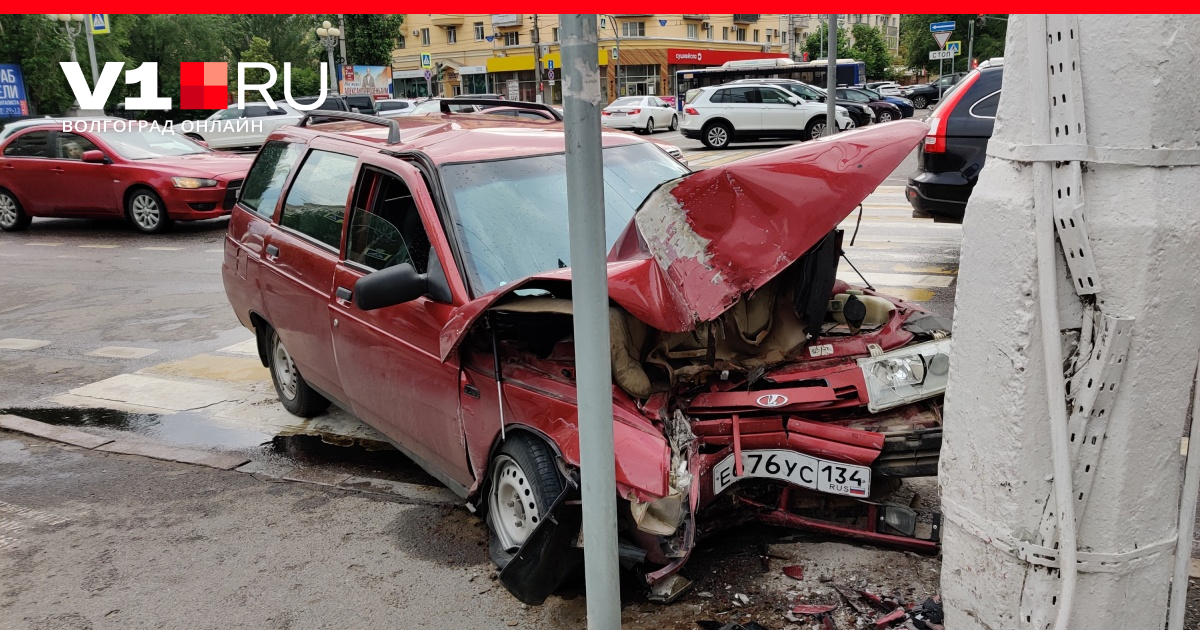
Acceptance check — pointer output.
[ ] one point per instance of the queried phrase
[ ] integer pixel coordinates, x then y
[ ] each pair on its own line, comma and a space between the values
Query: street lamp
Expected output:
330, 35
80, 27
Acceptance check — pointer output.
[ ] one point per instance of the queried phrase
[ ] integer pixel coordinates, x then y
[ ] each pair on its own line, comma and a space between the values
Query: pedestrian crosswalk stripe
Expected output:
161, 249
97, 246
912, 295
897, 279
43, 244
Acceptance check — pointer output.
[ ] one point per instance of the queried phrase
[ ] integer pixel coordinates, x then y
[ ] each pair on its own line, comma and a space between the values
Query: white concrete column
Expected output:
1143, 226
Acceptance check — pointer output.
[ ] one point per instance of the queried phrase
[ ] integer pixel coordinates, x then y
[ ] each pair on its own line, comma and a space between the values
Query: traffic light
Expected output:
438, 68
981, 21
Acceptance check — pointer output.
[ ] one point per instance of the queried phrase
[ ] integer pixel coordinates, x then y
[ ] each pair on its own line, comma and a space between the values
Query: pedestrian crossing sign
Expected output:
955, 47
99, 23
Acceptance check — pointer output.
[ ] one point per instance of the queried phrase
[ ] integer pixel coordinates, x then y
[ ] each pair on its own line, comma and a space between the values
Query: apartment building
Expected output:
639, 54
804, 25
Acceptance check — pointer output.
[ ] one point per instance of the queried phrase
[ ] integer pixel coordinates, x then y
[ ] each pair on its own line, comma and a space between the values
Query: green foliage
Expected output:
259, 52
916, 41
370, 39
817, 44
870, 48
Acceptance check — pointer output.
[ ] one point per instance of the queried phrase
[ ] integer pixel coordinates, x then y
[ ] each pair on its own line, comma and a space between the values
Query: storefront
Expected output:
692, 58
409, 84
514, 76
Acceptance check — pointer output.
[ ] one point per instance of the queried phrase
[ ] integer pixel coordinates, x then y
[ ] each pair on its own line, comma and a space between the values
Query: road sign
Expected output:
428, 74
941, 27
955, 46
426, 60
99, 23
935, 55
550, 75
550, 64
942, 38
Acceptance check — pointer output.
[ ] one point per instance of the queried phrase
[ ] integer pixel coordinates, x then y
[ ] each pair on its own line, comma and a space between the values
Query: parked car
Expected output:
235, 127
417, 274
953, 153
884, 111
640, 113
359, 103
425, 107
885, 88
925, 94
722, 114
391, 106
861, 114
497, 97
148, 177
904, 105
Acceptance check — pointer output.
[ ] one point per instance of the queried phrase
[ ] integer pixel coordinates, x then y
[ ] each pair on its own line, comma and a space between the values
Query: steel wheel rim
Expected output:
285, 371
145, 211
513, 511
717, 136
8, 211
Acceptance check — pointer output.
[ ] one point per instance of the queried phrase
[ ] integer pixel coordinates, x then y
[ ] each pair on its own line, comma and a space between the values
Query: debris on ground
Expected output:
795, 571
929, 615
732, 625
896, 615
813, 609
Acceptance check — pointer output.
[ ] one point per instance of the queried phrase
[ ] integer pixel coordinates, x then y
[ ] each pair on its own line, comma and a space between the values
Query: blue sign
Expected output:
550, 64
99, 23
941, 27
490, 38
428, 75
13, 102
426, 60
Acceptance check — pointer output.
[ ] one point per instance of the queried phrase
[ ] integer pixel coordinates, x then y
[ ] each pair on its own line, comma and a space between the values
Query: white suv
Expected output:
721, 114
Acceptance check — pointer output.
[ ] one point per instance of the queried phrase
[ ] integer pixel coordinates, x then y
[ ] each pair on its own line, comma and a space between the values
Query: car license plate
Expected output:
618, 114
797, 469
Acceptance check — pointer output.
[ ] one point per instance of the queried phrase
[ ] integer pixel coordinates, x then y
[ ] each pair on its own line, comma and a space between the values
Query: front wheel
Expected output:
12, 216
294, 392
886, 116
674, 123
717, 136
815, 128
919, 102
524, 484
147, 212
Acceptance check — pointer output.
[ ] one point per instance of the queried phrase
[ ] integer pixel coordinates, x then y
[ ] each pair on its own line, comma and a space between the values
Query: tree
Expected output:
817, 44
260, 52
370, 39
916, 42
870, 48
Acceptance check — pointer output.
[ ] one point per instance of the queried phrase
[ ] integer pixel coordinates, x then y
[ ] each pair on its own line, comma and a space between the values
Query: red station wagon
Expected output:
416, 272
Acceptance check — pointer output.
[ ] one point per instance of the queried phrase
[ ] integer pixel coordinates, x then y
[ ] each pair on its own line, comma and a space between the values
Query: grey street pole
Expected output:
831, 79
970, 44
342, 38
87, 29
536, 37
329, 36
589, 287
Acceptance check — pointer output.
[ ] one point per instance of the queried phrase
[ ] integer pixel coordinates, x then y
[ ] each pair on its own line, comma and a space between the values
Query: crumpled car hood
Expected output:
698, 243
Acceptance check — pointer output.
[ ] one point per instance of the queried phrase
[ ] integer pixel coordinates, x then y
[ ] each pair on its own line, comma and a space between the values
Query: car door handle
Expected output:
272, 251
344, 294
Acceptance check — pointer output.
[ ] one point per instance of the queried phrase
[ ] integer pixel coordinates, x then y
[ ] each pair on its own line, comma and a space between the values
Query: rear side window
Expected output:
265, 181
316, 203
986, 106
32, 144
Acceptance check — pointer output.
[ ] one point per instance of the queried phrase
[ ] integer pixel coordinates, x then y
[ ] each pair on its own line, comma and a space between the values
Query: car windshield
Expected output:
873, 94
511, 215
428, 107
143, 145
628, 101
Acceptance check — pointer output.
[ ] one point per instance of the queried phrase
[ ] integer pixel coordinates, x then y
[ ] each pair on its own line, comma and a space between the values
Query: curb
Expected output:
409, 492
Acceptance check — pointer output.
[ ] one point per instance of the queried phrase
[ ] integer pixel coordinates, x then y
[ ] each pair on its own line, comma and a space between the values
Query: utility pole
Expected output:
536, 38
971, 41
831, 79
589, 289
342, 38
1064, 482
91, 43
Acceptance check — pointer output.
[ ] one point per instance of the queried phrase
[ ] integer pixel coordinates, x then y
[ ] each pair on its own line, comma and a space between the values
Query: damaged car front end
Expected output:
749, 381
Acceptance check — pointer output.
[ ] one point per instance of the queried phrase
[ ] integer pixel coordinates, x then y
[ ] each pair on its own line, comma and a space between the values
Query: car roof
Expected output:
447, 138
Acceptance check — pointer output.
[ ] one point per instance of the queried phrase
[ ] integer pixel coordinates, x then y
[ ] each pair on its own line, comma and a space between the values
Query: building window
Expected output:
711, 30
554, 34
451, 34
725, 33
755, 34
693, 31
512, 38
400, 41
424, 37
633, 29
768, 37
479, 31
741, 34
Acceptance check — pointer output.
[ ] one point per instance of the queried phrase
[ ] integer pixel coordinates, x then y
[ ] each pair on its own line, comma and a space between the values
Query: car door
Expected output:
220, 129
779, 115
300, 254
738, 104
28, 160
662, 112
389, 358
85, 188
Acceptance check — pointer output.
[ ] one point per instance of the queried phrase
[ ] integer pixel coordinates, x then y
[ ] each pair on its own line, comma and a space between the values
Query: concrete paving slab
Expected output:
149, 391
214, 368
12, 343
271, 469
318, 476
434, 495
247, 348
71, 400
174, 454
121, 352
52, 432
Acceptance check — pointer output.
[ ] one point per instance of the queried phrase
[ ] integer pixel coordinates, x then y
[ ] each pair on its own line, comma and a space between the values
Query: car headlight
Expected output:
864, 109
193, 182
906, 375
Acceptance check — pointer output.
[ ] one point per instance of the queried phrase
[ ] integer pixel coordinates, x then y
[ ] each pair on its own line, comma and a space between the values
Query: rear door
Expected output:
83, 187
300, 254
26, 171
739, 105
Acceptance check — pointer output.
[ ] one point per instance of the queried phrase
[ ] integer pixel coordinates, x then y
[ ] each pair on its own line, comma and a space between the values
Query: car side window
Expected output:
385, 225
772, 96
258, 111
316, 203
32, 144
71, 146
986, 106
229, 114
265, 181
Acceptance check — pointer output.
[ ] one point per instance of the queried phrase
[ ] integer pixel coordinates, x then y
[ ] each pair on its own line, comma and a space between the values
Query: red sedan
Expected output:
149, 177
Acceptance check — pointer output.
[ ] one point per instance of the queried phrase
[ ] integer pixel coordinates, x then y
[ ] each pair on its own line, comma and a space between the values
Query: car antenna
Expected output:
499, 375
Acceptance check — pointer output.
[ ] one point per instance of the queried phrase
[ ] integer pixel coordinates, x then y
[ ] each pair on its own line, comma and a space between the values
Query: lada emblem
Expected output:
770, 401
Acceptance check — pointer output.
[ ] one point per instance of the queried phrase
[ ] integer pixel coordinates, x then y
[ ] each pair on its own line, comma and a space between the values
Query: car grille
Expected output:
231, 193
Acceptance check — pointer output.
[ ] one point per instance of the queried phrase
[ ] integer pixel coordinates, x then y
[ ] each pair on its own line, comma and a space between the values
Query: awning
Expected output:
517, 63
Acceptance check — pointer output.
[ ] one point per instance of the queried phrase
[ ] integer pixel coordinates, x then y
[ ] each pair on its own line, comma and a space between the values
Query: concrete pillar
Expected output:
1140, 188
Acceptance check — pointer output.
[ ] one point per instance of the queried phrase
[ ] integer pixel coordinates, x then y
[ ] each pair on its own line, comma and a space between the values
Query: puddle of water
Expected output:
183, 428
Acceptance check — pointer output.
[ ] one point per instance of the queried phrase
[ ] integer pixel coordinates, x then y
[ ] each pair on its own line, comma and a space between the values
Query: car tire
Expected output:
716, 135
524, 482
886, 116
194, 136
146, 211
815, 128
12, 215
649, 125
294, 392
674, 123
919, 102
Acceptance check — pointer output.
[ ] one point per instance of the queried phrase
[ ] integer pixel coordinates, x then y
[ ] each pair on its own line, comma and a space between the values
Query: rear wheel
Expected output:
524, 483
815, 128
12, 217
717, 135
920, 102
147, 212
649, 125
294, 392
674, 123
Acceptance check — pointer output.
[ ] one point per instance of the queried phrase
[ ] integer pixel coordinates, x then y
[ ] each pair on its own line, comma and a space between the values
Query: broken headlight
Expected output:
906, 375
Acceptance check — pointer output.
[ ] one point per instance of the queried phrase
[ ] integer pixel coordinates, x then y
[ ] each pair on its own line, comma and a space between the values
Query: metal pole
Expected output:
831, 79
71, 38
333, 84
342, 37
536, 36
87, 28
941, 71
970, 43
589, 280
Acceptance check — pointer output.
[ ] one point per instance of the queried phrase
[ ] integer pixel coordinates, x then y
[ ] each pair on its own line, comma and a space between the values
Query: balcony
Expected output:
743, 18
507, 19
446, 20
695, 16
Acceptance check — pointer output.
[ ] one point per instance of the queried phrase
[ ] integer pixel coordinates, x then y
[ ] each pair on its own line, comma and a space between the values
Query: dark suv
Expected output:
926, 94
952, 155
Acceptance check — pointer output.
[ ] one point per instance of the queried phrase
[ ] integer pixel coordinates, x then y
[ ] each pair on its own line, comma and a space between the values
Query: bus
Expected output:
849, 72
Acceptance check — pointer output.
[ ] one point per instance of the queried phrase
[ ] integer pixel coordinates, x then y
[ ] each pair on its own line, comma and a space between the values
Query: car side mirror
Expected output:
795, 100
95, 156
389, 287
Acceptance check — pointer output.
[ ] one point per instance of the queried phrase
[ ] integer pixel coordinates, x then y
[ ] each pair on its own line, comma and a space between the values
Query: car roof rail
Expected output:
391, 124
495, 102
